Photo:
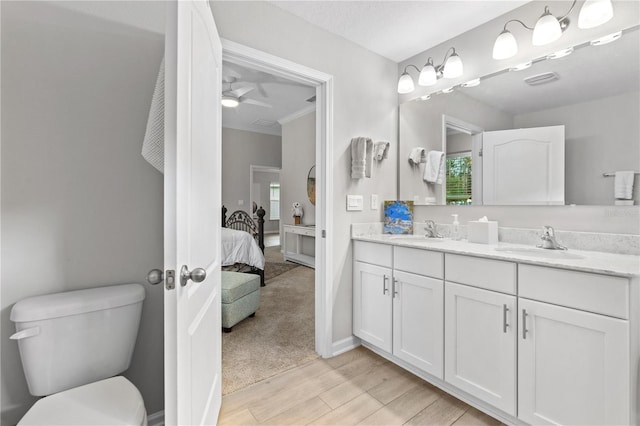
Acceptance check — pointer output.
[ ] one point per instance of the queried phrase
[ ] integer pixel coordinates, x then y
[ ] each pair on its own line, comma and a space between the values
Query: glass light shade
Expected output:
453, 67
230, 102
405, 83
428, 76
547, 30
505, 46
594, 13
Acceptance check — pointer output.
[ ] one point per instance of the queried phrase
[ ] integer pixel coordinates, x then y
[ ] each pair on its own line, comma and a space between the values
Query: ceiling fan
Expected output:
231, 98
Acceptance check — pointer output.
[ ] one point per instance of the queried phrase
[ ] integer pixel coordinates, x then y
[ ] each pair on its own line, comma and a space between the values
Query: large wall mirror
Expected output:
581, 113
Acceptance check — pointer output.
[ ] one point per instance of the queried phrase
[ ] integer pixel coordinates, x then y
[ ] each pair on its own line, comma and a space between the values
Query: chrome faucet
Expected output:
430, 227
548, 238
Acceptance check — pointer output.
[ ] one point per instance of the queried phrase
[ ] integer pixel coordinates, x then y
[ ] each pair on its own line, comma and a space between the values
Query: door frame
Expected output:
249, 57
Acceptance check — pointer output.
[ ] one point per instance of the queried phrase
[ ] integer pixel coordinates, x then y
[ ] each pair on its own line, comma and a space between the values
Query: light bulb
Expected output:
547, 29
230, 102
453, 67
428, 75
405, 83
505, 45
594, 13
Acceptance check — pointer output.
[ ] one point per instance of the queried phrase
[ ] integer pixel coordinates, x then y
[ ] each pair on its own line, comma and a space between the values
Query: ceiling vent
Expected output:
544, 78
264, 123
312, 99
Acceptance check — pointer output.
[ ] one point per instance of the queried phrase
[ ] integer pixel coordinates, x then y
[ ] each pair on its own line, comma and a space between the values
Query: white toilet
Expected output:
72, 345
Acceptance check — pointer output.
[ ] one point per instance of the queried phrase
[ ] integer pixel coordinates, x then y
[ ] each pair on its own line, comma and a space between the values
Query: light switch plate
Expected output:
374, 202
354, 203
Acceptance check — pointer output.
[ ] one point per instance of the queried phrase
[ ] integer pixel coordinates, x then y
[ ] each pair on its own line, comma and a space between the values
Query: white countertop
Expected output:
590, 261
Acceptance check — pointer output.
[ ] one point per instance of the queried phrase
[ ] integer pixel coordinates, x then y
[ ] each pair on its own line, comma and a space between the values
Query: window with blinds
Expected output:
459, 178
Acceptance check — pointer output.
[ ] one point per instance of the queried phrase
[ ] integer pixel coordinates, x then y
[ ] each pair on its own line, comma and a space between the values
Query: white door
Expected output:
523, 166
573, 367
192, 209
418, 315
372, 304
480, 344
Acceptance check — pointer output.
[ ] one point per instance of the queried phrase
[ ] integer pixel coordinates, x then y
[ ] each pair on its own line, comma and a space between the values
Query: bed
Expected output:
243, 242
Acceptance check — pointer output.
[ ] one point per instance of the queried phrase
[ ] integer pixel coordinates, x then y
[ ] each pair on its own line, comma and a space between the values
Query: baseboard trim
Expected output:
344, 345
156, 419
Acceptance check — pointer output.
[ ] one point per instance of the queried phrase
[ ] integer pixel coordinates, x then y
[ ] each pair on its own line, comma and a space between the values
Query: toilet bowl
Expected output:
73, 345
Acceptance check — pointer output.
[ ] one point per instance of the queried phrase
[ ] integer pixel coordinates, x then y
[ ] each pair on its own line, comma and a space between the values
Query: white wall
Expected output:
263, 180
298, 156
609, 122
365, 104
80, 206
241, 149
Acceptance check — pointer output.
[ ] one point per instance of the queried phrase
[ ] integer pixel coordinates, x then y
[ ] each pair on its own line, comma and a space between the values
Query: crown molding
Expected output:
297, 114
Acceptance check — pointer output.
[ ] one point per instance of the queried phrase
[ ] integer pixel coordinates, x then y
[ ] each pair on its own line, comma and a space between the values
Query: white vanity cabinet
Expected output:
573, 365
400, 311
480, 329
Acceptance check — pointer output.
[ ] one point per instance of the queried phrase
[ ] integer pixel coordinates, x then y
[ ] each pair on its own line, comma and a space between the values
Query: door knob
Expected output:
155, 276
197, 275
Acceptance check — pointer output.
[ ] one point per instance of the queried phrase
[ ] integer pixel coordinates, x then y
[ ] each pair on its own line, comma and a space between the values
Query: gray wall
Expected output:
240, 149
365, 104
80, 206
264, 179
592, 129
298, 156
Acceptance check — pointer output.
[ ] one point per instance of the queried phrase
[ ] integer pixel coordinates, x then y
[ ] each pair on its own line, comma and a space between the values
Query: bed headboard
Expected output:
243, 221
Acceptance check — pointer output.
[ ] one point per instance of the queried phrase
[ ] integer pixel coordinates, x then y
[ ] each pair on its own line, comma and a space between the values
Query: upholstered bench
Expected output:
240, 297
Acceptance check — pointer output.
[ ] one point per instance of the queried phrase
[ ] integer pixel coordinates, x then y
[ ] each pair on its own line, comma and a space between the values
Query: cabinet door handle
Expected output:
395, 287
385, 289
505, 310
524, 324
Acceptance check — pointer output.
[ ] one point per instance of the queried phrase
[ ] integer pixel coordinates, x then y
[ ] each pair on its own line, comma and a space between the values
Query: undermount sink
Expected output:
414, 238
540, 252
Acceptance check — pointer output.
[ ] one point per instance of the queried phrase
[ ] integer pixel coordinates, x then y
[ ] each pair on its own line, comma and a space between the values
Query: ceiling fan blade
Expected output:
240, 91
254, 102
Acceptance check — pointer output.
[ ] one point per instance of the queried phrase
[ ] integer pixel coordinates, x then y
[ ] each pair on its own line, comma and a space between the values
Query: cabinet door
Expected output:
372, 304
573, 366
418, 315
480, 344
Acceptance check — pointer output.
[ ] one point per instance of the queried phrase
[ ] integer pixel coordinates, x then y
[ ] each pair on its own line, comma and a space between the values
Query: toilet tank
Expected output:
77, 337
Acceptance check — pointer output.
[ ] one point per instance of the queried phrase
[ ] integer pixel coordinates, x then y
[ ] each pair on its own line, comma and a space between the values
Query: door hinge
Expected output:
323, 234
170, 280
480, 153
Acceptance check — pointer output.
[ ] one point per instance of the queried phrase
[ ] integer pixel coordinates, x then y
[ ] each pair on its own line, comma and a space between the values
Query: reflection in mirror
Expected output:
593, 93
311, 185
463, 179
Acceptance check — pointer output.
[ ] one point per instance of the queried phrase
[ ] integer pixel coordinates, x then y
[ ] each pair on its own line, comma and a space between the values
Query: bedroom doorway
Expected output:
319, 299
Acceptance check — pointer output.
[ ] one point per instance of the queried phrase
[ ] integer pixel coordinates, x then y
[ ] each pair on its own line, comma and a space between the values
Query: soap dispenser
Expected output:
455, 228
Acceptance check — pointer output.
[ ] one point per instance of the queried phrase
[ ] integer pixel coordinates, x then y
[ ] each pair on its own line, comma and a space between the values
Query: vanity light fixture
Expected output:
561, 53
471, 83
606, 39
549, 28
451, 67
522, 66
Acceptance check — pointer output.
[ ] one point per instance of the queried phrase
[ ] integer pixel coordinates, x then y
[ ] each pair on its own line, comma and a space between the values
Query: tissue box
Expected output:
482, 232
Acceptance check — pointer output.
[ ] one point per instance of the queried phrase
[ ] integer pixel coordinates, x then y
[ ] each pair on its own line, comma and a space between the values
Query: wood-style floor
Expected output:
357, 387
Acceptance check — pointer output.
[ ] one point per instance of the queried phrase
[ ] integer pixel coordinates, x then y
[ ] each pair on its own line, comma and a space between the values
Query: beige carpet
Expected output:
280, 337
275, 264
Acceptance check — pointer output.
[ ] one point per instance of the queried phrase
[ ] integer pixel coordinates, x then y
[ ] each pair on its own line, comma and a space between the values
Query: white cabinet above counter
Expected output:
527, 340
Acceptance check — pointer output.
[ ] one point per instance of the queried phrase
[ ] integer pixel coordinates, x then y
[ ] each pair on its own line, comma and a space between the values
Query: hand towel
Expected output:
434, 169
153, 142
361, 157
381, 150
417, 156
623, 184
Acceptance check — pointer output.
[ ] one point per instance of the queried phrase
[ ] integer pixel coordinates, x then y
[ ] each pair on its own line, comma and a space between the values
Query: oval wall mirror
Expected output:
311, 185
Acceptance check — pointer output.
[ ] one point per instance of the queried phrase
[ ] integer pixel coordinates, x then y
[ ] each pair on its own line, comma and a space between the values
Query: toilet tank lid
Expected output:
76, 302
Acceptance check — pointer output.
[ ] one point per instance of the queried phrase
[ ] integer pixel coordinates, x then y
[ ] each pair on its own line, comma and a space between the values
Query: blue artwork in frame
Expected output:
398, 217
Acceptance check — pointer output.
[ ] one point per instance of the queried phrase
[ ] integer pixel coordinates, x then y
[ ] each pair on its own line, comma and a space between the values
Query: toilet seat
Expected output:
113, 401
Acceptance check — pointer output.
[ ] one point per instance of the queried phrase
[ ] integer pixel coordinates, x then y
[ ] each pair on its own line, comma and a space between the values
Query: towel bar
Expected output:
611, 174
